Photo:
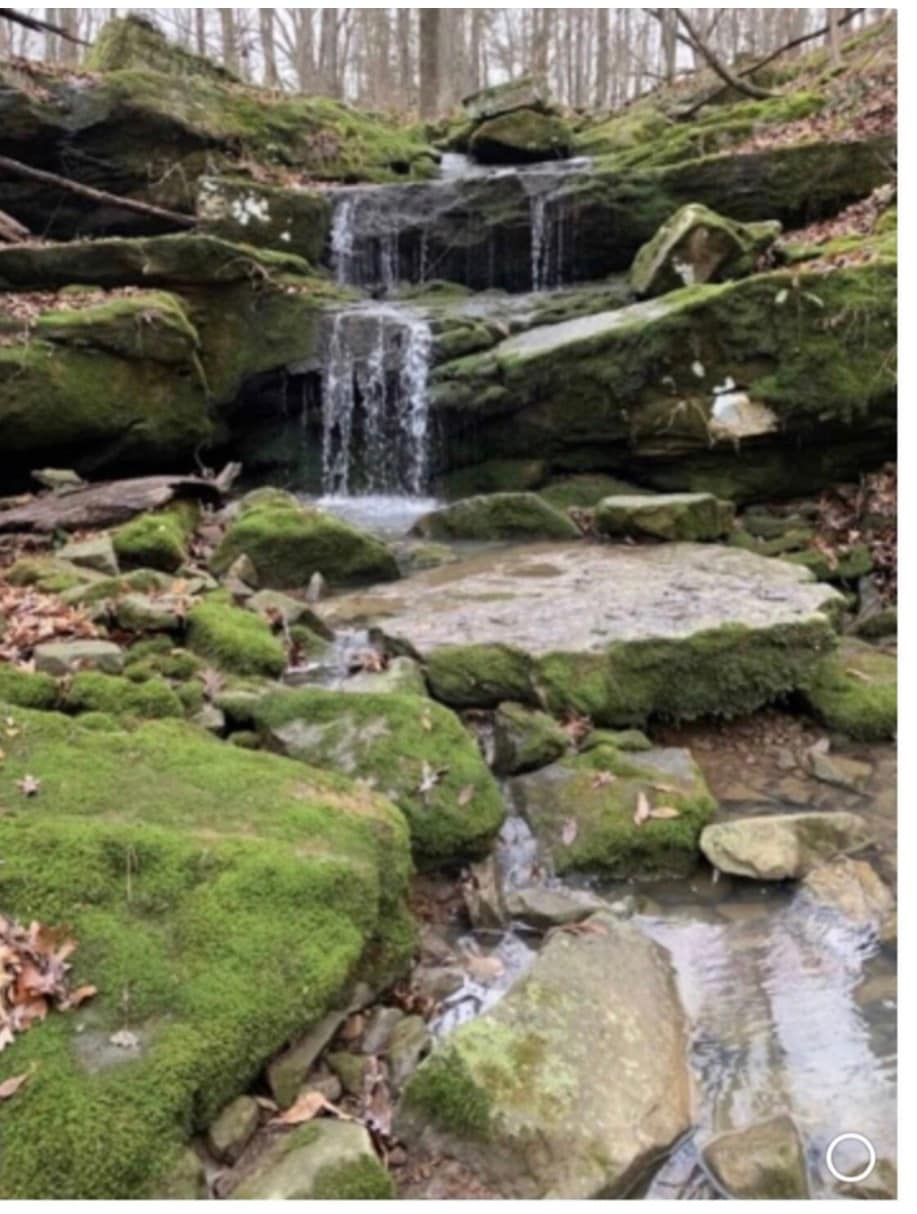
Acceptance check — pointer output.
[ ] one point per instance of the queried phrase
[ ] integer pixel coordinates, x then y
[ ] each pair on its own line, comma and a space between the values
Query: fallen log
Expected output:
11, 230
18, 169
106, 504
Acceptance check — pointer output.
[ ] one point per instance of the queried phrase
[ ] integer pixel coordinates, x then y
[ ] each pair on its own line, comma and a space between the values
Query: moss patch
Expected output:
855, 690
288, 544
26, 688
233, 638
157, 540
90, 691
187, 871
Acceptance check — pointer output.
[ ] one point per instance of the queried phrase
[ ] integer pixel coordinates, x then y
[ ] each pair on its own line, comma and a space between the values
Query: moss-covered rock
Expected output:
233, 638
493, 476
51, 574
158, 540
585, 489
295, 221
480, 676
91, 691
185, 870
777, 847
584, 1056
599, 792
519, 137
417, 752
497, 516
27, 689
287, 544
765, 1160
697, 245
855, 690
146, 325
665, 516
327, 1160
525, 739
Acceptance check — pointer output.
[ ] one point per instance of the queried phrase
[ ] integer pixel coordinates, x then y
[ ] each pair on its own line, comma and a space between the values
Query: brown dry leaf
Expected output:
426, 722
602, 779
28, 785
569, 831
577, 727
306, 1107
664, 812
80, 995
466, 795
642, 812
9, 1087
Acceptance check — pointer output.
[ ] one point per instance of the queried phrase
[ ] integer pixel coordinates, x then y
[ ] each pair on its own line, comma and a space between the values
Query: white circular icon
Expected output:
851, 1177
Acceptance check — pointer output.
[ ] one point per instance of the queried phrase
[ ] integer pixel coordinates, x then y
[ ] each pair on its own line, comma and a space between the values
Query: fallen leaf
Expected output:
429, 778
466, 795
569, 831
483, 968
426, 722
80, 995
662, 812
9, 1087
28, 785
125, 1039
642, 812
306, 1107
602, 779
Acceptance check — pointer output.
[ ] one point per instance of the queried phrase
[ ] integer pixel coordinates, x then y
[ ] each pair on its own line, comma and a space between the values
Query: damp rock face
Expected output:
618, 633
573, 1083
665, 516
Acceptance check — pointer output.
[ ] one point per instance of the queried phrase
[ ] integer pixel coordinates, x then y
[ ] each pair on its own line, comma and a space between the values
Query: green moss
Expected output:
233, 638
479, 676
48, 574
400, 742
293, 220
158, 540
494, 476
444, 1091
187, 871
27, 688
159, 656
90, 691
847, 567
497, 516
855, 690
520, 136
288, 544
584, 490
153, 325
359, 1180
143, 581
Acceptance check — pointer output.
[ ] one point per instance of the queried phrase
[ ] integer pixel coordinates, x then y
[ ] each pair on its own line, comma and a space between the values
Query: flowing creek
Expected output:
790, 1009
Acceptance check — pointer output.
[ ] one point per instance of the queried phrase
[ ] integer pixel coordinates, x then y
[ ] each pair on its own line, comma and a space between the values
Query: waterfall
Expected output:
342, 237
375, 418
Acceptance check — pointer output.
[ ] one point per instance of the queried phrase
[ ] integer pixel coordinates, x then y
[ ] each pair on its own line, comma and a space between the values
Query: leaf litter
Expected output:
34, 976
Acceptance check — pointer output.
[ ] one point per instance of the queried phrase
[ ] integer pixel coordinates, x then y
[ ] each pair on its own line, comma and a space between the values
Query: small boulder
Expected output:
483, 895
853, 889
288, 544
521, 137
839, 770
855, 690
97, 553
665, 516
326, 1159
525, 739
585, 1056
541, 907
143, 613
618, 813
409, 1042
400, 675
287, 1072
60, 658
232, 1131
497, 516
766, 1160
525, 92
697, 245
777, 847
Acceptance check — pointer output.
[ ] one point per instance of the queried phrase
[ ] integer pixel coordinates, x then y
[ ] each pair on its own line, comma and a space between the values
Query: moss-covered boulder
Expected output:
528, 92
497, 516
233, 638
525, 739
520, 137
622, 814
26, 688
697, 245
665, 516
619, 633
585, 1056
186, 870
585, 489
91, 691
418, 753
714, 387
327, 1160
158, 540
288, 543
855, 690
295, 221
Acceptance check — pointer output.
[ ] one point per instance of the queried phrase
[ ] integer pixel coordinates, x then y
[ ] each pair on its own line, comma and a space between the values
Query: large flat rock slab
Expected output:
619, 632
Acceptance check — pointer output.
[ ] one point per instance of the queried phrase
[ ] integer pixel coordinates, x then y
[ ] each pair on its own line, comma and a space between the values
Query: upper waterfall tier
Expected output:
506, 227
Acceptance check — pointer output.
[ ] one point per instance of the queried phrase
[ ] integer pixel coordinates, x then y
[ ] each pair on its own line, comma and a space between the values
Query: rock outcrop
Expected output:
781, 846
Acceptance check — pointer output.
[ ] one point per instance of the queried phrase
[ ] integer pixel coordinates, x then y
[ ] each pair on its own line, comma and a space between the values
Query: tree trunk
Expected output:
328, 52
429, 62
228, 43
834, 38
200, 30
601, 58
268, 49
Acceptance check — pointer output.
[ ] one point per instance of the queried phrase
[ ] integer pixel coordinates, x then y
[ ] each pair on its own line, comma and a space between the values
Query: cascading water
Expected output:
375, 418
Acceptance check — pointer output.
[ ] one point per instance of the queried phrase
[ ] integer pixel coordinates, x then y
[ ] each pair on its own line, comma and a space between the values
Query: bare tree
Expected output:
429, 61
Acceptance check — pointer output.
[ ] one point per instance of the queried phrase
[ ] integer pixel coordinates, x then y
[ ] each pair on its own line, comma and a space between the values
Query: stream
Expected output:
790, 1008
